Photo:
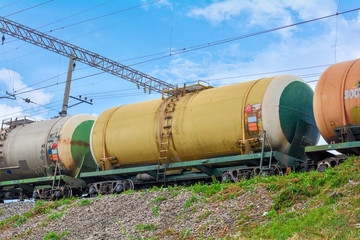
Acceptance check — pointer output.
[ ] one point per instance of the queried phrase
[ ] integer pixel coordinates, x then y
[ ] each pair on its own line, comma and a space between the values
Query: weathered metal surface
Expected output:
32, 150
335, 146
73, 143
110, 187
27, 143
213, 166
337, 98
43, 180
211, 123
286, 102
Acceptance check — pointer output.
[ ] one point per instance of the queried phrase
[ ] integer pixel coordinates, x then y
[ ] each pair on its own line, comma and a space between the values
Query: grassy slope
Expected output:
305, 205
311, 205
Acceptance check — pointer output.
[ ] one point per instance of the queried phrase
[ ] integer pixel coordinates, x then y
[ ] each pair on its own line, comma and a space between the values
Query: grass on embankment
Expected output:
309, 205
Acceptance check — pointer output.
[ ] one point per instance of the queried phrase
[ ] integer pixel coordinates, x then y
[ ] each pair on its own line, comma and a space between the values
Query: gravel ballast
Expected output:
143, 215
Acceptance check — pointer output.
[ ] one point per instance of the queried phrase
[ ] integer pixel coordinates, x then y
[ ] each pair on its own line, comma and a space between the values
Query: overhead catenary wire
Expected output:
227, 40
271, 72
102, 16
196, 47
51, 85
77, 23
23, 10
278, 29
32, 109
78, 36
62, 19
48, 79
336, 30
10, 4
214, 79
75, 14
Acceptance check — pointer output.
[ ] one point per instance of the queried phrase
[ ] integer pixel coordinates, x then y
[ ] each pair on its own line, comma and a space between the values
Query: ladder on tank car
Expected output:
165, 139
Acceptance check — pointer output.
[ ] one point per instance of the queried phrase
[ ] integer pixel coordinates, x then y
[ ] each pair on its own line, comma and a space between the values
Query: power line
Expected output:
215, 79
196, 47
32, 109
81, 35
119, 96
102, 16
86, 10
29, 8
263, 73
64, 18
51, 85
215, 43
48, 79
75, 14
10, 4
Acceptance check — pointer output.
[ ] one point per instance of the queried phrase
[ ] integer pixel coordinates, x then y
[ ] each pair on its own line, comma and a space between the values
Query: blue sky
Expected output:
163, 26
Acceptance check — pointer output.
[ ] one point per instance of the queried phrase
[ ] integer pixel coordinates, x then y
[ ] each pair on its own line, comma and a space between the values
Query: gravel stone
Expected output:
139, 216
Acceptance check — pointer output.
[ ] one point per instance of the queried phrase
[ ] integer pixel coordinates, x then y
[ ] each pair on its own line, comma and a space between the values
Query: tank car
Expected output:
199, 132
39, 150
337, 102
337, 113
214, 124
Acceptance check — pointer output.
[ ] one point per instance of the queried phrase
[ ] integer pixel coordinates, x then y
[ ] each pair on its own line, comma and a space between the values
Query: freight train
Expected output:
262, 127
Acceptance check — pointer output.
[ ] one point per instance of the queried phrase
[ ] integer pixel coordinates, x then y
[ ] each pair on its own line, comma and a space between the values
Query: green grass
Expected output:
308, 205
149, 227
55, 215
192, 199
41, 207
331, 207
54, 236
160, 199
85, 202
155, 210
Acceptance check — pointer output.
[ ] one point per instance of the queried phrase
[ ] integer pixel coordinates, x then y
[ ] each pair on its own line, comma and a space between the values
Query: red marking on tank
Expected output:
248, 109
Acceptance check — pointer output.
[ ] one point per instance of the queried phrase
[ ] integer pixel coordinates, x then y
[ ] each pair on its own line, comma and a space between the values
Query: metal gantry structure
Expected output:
82, 55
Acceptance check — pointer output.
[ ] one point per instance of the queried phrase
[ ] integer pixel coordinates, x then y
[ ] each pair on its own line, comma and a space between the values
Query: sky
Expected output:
128, 31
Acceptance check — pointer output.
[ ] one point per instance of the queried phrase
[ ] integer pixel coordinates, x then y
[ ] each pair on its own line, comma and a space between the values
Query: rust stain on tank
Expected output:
65, 141
80, 143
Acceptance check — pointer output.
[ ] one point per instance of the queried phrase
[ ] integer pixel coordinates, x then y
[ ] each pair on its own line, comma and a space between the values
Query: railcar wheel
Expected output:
67, 191
129, 185
226, 177
322, 167
276, 170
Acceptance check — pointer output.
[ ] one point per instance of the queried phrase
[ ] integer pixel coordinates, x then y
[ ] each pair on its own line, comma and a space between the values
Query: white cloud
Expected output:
263, 12
8, 112
13, 81
295, 51
157, 4
180, 70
